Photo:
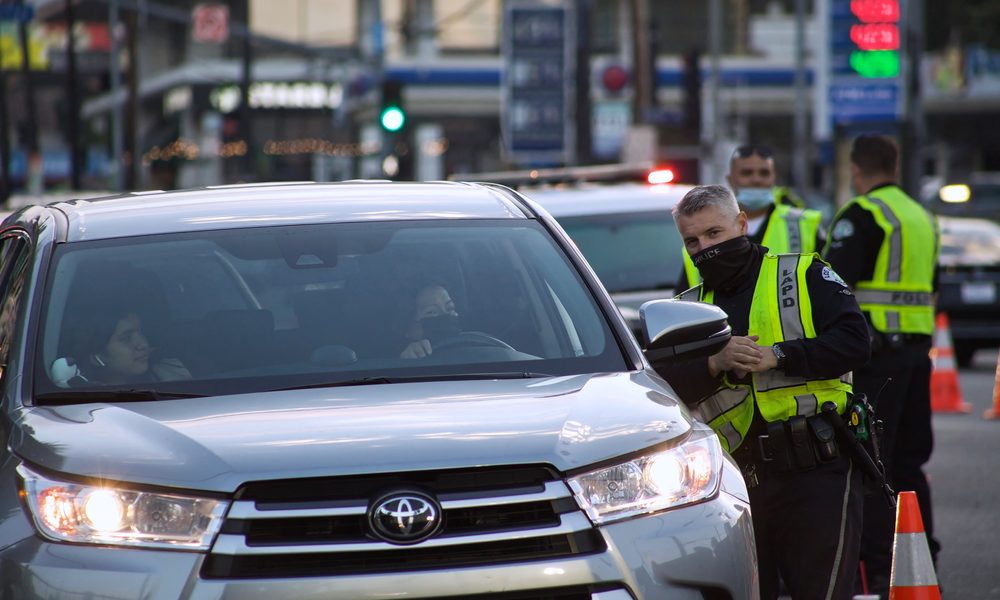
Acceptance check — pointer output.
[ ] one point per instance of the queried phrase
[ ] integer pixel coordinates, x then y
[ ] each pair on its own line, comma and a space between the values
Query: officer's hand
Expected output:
417, 349
768, 360
740, 355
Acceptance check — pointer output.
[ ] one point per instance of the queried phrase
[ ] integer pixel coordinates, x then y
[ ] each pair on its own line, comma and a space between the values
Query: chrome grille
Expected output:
273, 530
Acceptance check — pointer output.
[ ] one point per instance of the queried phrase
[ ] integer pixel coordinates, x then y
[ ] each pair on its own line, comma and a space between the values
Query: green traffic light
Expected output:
875, 63
392, 118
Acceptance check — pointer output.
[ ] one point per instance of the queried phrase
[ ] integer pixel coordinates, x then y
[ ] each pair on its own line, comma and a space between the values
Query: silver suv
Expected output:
354, 390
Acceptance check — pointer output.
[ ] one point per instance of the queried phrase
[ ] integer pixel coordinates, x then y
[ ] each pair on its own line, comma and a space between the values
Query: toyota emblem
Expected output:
405, 517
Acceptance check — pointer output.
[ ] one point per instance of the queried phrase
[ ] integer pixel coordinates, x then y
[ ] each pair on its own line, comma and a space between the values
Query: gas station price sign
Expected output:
866, 38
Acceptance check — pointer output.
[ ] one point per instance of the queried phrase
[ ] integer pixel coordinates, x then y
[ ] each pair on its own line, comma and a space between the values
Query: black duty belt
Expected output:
798, 444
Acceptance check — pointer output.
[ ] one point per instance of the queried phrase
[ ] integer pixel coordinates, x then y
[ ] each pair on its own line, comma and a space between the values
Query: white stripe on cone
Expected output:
911, 561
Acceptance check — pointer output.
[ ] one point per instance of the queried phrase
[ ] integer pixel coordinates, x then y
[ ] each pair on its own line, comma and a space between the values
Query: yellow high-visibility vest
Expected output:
781, 310
788, 230
785, 195
899, 297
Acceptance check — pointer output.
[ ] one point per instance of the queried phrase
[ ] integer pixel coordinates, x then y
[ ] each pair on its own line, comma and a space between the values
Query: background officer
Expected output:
797, 334
775, 216
885, 246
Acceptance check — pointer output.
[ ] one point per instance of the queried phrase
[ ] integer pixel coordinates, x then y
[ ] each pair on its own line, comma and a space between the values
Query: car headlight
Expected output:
99, 514
687, 473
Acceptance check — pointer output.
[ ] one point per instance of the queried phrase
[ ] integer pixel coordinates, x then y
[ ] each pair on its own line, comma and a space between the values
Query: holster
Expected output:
798, 444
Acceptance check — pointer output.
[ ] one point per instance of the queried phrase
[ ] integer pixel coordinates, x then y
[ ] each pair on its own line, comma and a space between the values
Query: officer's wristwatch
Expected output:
780, 355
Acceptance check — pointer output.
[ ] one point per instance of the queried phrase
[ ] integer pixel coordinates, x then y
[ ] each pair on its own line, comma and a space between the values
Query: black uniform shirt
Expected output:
841, 343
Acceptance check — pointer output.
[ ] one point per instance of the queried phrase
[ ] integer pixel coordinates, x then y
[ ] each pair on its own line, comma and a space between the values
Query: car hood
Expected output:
216, 444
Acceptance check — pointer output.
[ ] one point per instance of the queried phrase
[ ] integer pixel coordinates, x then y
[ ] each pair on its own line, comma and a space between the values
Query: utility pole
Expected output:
710, 118
72, 100
583, 109
245, 118
641, 70
34, 174
918, 129
132, 150
800, 165
5, 182
114, 68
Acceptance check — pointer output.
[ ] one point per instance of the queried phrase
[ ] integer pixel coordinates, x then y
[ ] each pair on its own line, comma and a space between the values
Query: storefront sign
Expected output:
280, 94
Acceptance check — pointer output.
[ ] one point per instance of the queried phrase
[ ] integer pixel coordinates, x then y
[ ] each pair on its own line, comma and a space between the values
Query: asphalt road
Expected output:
965, 482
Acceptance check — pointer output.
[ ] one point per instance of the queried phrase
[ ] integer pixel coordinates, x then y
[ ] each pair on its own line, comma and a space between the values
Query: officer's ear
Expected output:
741, 220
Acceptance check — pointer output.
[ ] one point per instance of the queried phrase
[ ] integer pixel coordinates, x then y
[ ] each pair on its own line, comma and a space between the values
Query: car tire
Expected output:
964, 354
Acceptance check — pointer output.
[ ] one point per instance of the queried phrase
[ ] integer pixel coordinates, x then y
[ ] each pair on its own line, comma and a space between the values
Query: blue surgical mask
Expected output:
754, 199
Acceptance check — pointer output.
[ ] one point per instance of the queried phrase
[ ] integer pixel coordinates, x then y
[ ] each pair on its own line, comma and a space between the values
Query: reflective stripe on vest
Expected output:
780, 311
729, 411
791, 230
899, 297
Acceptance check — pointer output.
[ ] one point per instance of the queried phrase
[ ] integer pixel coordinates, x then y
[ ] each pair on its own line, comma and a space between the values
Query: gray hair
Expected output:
705, 196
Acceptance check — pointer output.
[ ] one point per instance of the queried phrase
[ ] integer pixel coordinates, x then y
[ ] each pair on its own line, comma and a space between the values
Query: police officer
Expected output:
776, 217
797, 335
885, 246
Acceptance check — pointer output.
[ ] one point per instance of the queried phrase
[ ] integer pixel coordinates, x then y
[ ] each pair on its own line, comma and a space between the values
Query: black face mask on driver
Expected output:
722, 265
440, 327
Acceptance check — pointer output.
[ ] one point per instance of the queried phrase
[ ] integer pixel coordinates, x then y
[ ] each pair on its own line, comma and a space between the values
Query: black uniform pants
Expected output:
807, 525
904, 406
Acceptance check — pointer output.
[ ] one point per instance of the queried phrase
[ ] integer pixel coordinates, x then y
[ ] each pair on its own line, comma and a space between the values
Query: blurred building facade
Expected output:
310, 71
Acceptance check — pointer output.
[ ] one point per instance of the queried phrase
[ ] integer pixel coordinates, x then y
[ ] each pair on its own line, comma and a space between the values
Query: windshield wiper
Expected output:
111, 396
416, 378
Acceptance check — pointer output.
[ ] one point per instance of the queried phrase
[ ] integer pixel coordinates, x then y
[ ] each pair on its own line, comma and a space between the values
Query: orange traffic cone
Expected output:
946, 396
994, 413
913, 576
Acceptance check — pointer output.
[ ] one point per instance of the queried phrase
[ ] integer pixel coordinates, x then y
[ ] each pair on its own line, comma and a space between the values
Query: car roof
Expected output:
281, 203
606, 199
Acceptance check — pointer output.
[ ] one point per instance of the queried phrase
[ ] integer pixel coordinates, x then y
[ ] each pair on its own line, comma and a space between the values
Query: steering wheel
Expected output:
472, 339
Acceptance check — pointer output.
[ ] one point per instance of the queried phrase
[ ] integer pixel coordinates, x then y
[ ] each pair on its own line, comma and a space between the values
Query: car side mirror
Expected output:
679, 329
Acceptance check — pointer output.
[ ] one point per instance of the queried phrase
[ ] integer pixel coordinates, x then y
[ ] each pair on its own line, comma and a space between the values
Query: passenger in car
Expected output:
108, 346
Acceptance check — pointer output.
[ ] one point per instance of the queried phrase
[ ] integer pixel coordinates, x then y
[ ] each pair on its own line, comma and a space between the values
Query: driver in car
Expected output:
434, 319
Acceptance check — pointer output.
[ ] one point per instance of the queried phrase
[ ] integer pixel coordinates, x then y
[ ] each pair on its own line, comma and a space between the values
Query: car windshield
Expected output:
259, 309
629, 251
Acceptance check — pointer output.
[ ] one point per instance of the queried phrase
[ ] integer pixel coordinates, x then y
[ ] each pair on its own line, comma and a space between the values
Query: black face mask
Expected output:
722, 265
440, 327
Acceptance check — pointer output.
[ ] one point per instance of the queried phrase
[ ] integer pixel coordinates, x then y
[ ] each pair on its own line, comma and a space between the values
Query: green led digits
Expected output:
875, 63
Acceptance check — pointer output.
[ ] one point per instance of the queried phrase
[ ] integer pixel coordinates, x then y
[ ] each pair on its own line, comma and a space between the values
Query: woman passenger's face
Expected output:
127, 352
